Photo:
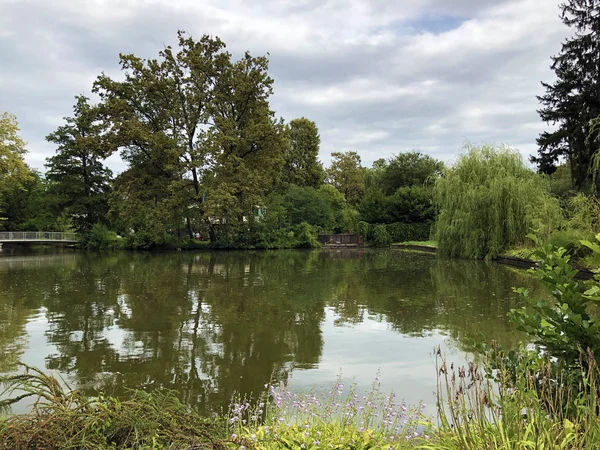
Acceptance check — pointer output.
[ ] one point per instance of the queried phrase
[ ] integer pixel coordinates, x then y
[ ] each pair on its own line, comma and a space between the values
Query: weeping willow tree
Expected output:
489, 201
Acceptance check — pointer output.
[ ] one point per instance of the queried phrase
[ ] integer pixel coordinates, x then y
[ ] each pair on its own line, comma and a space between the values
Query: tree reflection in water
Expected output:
210, 324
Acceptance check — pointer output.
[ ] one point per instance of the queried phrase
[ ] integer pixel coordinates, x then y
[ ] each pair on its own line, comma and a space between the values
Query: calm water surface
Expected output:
211, 324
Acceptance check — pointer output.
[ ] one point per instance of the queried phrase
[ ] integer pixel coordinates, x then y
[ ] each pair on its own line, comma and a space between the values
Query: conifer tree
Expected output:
573, 100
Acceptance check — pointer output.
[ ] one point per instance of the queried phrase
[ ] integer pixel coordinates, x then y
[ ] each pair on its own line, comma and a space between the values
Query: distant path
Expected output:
43, 237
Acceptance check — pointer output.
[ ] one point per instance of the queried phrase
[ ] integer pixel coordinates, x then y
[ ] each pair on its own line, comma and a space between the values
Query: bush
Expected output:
101, 238
306, 236
403, 232
363, 230
381, 238
565, 322
570, 240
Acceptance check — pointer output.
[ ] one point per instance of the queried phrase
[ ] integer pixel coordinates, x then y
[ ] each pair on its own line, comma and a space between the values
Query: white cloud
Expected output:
378, 77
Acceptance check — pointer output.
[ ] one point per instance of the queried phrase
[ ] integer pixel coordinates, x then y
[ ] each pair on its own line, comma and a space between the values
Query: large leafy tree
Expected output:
346, 174
245, 145
158, 118
196, 129
77, 176
15, 175
302, 166
573, 100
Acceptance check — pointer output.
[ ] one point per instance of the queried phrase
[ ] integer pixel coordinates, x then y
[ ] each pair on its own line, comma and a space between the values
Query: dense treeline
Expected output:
205, 155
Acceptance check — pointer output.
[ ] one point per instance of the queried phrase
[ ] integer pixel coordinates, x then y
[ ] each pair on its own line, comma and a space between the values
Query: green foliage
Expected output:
78, 179
381, 237
307, 205
14, 173
402, 232
306, 236
101, 238
302, 166
408, 204
362, 229
561, 184
567, 321
409, 169
518, 404
570, 239
346, 174
63, 418
489, 201
583, 213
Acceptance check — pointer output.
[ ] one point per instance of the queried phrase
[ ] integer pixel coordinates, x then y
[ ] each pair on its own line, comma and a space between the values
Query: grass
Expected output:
62, 418
420, 243
523, 252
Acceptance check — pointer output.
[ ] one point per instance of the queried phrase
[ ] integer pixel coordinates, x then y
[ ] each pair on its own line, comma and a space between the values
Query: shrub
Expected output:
306, 236
570, 240
584, 213
101, 238
381, 238
363, 230
565, 322
403, 232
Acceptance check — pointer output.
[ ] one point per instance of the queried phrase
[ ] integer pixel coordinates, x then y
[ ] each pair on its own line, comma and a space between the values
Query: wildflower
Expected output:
253, 437
234, 436
315, 442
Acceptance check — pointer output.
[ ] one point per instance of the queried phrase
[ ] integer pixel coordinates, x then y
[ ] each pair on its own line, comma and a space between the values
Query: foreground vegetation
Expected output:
546, 397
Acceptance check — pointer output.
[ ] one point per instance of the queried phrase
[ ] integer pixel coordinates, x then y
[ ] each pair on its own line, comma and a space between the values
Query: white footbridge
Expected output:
41, 237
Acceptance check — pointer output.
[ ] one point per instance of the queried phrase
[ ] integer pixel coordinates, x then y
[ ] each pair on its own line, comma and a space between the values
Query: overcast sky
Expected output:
377, 76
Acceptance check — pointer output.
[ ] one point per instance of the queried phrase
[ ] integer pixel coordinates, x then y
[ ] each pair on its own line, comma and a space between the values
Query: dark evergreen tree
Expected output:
573, 100
76, 173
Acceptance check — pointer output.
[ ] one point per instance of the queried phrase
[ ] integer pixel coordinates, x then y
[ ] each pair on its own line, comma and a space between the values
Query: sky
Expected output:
378, 77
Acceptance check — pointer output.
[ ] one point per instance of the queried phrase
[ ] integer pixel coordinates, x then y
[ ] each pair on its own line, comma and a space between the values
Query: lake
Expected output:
214, 323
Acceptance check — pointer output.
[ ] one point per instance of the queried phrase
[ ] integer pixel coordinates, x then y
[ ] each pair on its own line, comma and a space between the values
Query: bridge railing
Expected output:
23, 236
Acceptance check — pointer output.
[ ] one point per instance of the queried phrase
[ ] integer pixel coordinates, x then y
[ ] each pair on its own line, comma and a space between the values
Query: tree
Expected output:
489, 201
347, 175
573, 100
14, 173
409, 169
76, 174
158, 118
196, 129
245, 145
302, 166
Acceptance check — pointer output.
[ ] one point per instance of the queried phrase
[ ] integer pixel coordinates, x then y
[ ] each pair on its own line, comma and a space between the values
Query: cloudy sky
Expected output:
377, 76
